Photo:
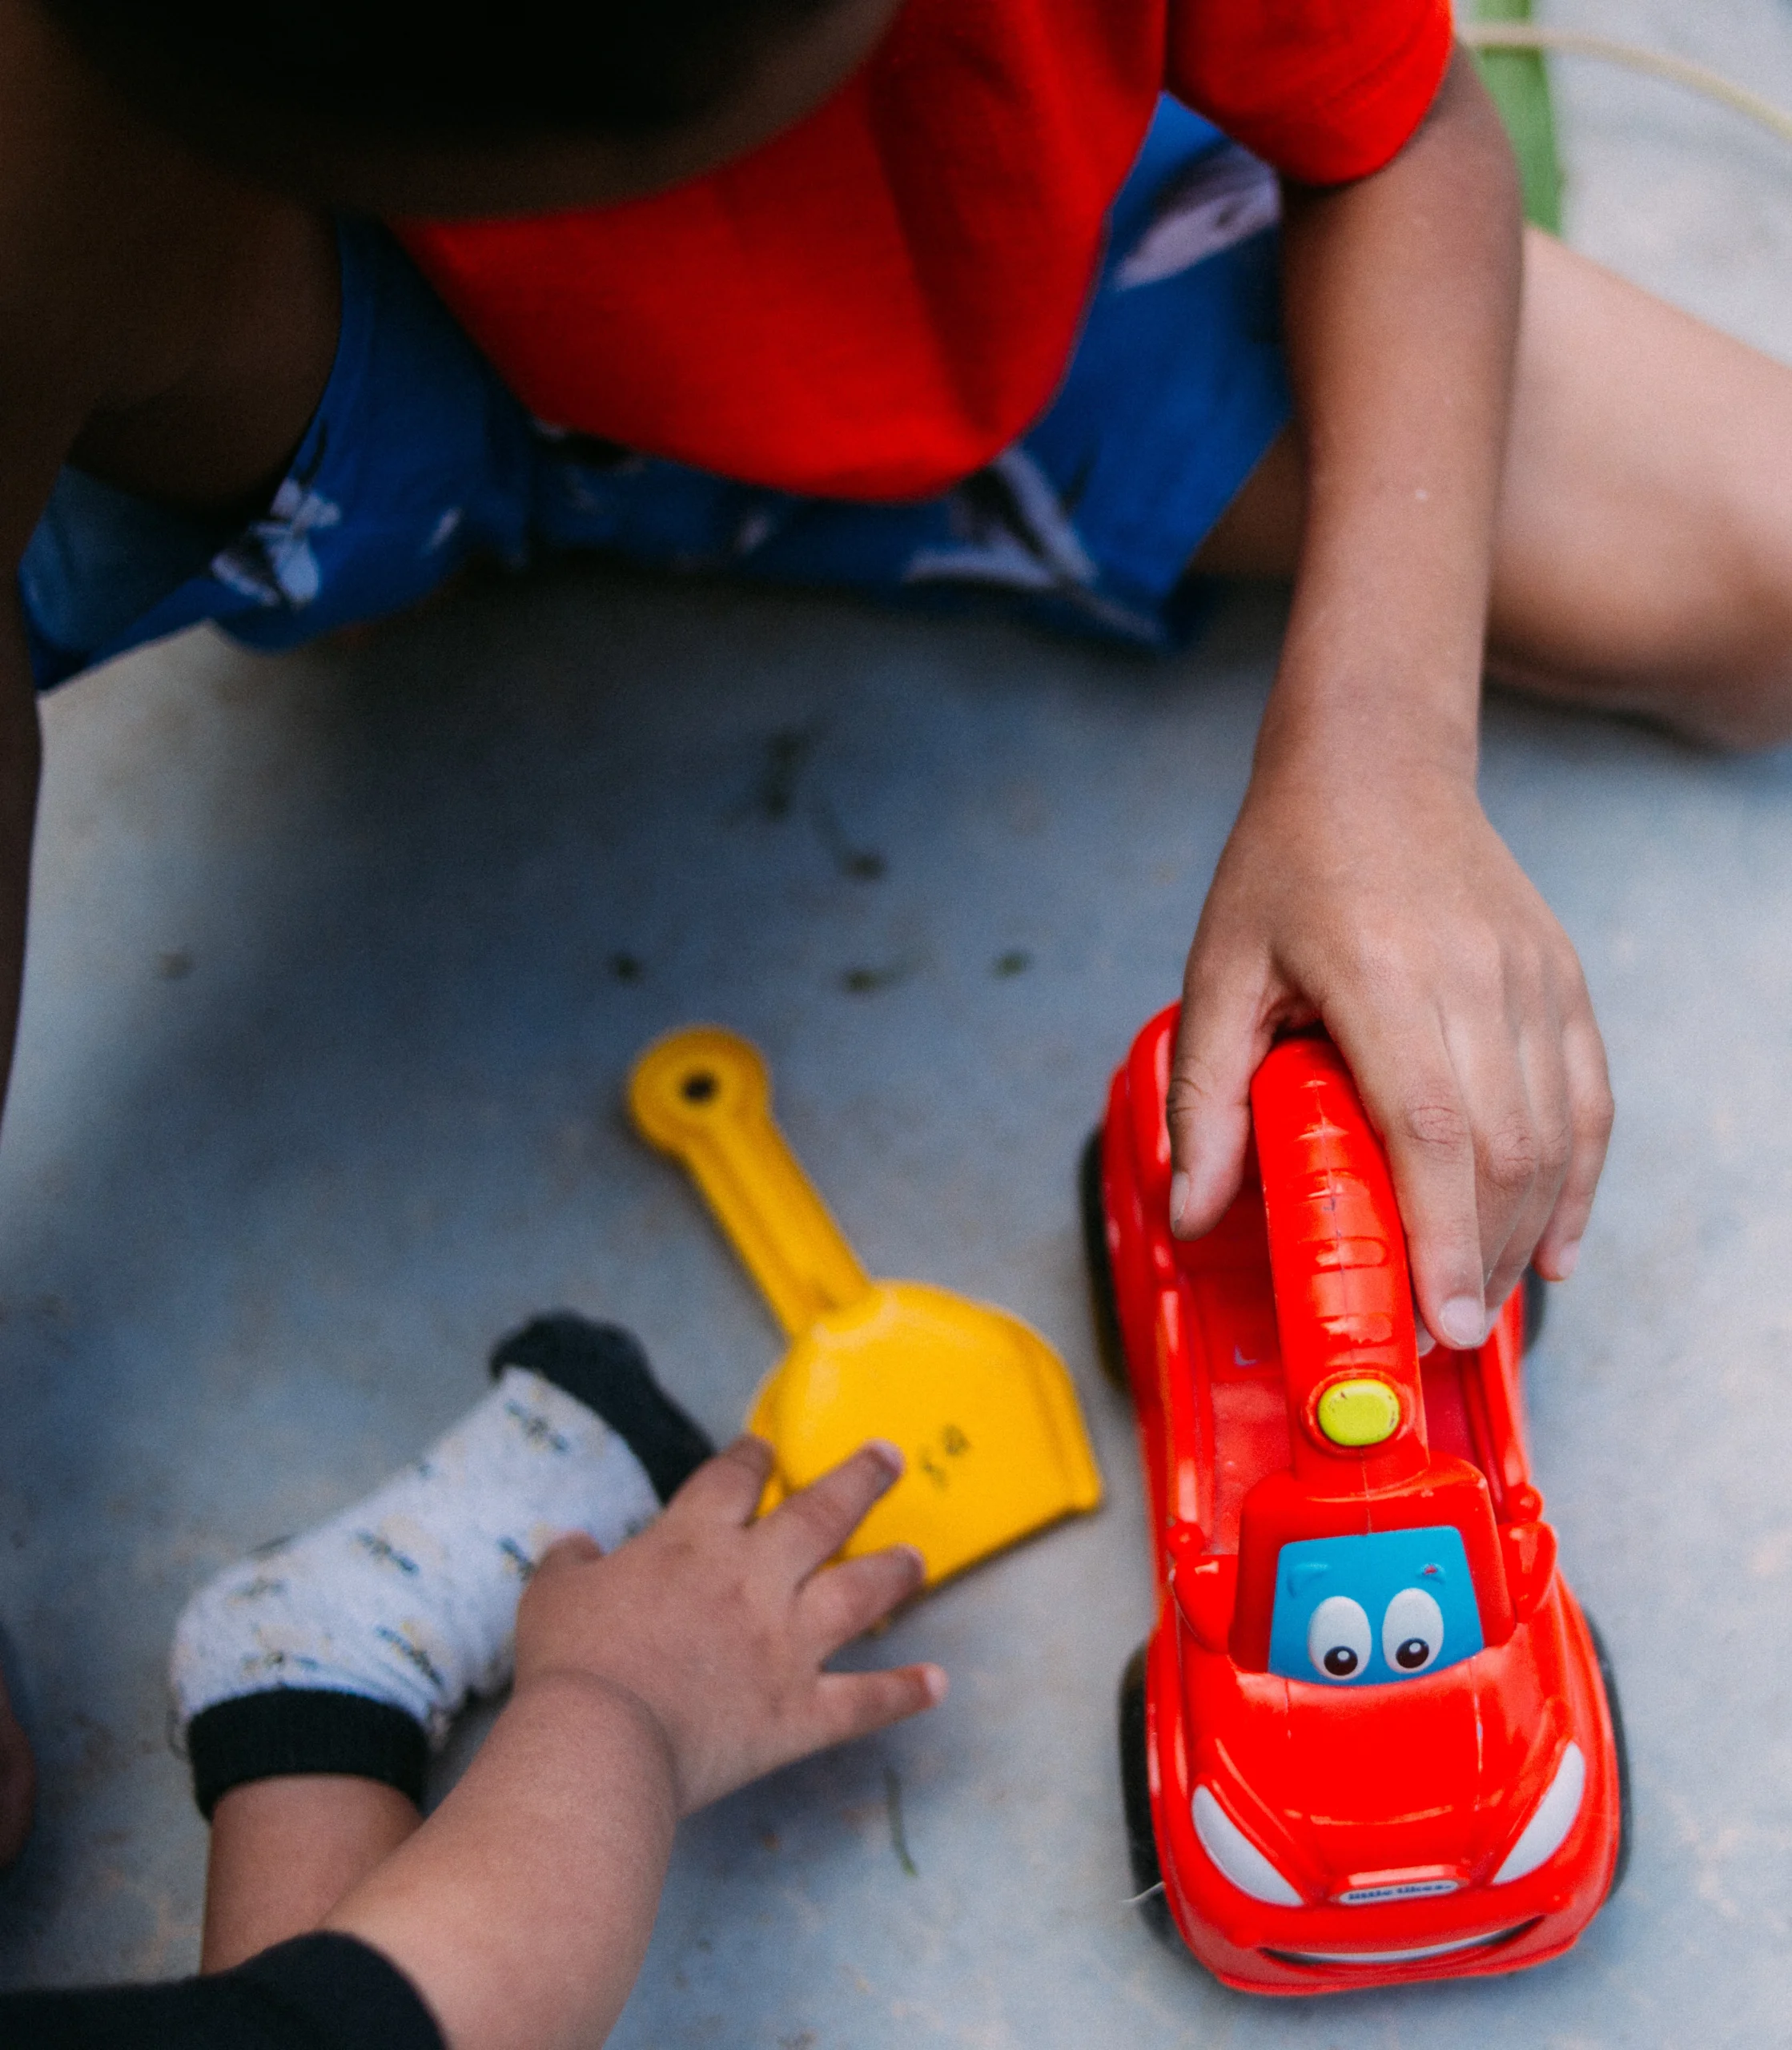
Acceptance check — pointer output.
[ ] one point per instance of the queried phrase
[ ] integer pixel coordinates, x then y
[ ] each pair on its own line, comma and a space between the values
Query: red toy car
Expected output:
1372, 1738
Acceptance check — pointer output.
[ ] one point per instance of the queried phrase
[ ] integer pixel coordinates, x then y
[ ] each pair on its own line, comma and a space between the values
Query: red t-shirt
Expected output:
879, 300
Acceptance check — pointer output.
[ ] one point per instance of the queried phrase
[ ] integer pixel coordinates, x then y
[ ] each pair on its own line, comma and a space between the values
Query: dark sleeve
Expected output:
317, 1992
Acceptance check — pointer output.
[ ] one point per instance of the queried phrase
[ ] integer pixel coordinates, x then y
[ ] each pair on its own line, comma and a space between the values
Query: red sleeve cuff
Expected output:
1323, 90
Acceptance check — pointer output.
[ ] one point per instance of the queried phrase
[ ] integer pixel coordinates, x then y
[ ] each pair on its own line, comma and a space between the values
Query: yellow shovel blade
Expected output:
981, 1407
983, 1410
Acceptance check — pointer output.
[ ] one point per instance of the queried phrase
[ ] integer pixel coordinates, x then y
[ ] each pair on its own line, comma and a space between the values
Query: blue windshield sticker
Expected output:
1367, 1609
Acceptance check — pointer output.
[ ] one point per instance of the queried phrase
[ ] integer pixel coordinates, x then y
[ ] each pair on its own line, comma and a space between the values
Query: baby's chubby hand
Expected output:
1375, 896
718, 1624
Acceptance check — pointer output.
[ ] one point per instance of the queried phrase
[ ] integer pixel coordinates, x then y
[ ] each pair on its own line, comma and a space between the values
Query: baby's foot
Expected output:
349, 1650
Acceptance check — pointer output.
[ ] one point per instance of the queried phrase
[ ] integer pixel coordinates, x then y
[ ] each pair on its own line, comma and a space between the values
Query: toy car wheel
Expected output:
1610, 1680
1537, 1305
1135, 1797
1103, 1304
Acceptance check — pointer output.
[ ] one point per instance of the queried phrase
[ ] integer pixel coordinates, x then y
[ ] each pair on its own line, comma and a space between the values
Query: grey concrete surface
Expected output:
337, 966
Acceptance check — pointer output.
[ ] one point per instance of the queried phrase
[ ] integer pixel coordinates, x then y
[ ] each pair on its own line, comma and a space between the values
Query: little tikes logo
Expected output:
1405, 1890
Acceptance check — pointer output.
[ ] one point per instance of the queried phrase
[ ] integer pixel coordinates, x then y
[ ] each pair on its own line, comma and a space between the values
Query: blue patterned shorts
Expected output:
418, 461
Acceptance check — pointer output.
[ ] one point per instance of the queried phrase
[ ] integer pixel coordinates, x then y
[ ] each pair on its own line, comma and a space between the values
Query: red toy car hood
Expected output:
1439, 1772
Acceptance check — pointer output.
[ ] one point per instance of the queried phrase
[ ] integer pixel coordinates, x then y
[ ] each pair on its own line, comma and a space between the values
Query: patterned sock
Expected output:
350, 1649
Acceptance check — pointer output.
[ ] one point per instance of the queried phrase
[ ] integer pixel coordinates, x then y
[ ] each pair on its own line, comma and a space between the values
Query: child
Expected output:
650, 1680
817, 288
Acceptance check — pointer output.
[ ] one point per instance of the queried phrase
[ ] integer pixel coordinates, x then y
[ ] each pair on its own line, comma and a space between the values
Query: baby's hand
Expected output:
1384, 904
719, 1624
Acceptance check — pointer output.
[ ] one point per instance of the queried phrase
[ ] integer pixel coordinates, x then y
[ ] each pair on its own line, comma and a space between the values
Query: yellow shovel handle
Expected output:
705, 1095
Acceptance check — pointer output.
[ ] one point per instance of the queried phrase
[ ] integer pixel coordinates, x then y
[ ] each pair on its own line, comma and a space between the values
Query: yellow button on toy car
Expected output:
1358, 1412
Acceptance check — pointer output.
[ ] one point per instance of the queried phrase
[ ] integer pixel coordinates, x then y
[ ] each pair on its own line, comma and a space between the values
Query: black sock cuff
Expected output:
284, 1730
603, 1367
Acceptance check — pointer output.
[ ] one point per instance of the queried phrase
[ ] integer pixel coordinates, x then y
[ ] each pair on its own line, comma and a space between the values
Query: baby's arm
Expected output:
1363, 884
648, 1683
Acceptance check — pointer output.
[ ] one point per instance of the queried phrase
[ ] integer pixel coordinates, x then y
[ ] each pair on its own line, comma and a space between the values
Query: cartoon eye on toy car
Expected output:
1372, 1738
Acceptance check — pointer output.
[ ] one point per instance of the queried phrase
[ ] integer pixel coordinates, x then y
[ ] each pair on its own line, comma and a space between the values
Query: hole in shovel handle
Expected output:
698, 1088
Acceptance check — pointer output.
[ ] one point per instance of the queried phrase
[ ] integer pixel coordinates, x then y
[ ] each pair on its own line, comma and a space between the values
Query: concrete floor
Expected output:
337, 966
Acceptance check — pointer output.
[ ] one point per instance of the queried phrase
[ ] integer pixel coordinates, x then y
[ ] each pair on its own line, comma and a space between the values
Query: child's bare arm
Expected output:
57, 354
648, 1683
20, 756
36, 419
1363, 884
160, 323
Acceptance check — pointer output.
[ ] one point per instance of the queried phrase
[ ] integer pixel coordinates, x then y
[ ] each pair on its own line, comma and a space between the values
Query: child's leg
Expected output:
1644, 557
416, 462
284, 1851
648, 1684
311, 1676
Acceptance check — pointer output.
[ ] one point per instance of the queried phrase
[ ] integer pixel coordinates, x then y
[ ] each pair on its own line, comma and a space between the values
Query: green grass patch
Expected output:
1519, 81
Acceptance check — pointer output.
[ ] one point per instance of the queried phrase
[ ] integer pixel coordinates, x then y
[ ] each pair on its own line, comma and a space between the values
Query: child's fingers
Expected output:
1590, 1112
1515, 1098
812, 1524
843, 1601
565, 1555
1221, 1040
1415, 1099
848, 1704
728, 1486
1546, 1085
577, 1548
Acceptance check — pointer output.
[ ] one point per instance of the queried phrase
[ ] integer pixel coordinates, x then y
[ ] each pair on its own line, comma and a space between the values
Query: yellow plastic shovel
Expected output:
982, 1406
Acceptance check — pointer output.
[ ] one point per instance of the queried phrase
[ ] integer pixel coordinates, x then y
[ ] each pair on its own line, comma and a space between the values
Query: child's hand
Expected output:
1384, 904
684, 1664
719, 1624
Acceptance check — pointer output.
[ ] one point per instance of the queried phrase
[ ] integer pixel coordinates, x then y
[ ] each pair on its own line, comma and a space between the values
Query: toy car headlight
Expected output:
1551, 1820
1237, 1857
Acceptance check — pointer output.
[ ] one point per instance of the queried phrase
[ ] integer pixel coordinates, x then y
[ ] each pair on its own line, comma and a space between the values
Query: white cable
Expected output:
1679, 70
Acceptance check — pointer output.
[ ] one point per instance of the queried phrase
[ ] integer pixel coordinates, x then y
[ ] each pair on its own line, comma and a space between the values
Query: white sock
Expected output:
408, 1599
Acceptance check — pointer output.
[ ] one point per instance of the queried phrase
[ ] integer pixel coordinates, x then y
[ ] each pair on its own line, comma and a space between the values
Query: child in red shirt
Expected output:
863, 291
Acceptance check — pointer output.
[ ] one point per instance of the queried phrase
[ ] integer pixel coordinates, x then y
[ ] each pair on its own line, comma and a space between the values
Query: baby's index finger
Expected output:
1207, 1108
808, 1527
